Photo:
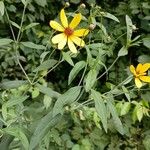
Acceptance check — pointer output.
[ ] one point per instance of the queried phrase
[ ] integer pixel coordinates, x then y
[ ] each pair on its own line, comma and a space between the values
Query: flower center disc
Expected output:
68, 31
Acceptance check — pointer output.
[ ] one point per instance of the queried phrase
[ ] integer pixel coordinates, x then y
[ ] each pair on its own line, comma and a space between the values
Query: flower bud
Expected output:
67, 4
134, 27
82, 5
92, 26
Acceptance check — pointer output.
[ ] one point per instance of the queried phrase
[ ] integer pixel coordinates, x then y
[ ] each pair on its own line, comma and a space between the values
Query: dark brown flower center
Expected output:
68, 31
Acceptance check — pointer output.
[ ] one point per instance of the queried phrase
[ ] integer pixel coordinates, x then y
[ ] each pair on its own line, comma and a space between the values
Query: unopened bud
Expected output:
134, 27
67, 4
92, 26
83, 5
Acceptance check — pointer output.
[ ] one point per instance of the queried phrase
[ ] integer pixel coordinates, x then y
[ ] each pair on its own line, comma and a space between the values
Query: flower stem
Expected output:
108, 68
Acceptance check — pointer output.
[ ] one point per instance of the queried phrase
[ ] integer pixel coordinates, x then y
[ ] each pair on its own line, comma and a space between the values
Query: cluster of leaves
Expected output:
53, 99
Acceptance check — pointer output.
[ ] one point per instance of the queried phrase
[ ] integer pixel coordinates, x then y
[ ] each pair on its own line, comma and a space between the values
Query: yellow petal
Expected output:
138, 83
145, 67
78, 41
81, 32
71, 46
75, 21
138, 68
63, 18
58, 38
132, 69
55, 25
62, 44
145, 78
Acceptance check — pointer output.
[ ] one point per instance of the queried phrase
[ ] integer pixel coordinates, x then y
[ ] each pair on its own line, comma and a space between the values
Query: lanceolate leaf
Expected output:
123, 51
91, 79
48, 91
129, 28
73, 73
32, 45
18, 133
67, 98
100, 108
31, 25
43, 126
46, 65
13, 101
5, 41
116, 120
110, 16
15, 24
67, 57
12, 84
2, 8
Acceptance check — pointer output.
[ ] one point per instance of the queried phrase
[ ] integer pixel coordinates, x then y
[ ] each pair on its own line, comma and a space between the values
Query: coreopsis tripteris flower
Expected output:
69, 35
140, 73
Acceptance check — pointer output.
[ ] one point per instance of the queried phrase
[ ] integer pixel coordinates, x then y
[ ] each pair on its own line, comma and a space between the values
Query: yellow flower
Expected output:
69, 34
140, 73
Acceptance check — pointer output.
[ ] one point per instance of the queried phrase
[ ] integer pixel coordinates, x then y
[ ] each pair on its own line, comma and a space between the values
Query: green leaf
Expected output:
48, 91
32, 45
110, 16
90, 80
12, 84
123, 51
134, 113
35, 92
143, 59
46, 65
116, 120
5, 41
31, 25
6, 139
47, 101
125, 108
100, 107
89, 56
129, 29
102, 27
76, 147
75, 70
13, 101
42, 3
65, 99
146, 142
43, 126
139, 112
67, 57
2, 8
96, 46
146, 42
15, 24
126, 92
75, 1
18, 133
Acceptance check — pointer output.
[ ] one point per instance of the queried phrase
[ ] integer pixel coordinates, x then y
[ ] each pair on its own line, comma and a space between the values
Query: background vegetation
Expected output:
56, 100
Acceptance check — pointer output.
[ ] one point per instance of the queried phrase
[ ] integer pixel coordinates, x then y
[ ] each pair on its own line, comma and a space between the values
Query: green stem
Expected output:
83, 75
49, 71
10, 25
119, 84
22, 19
81, 104
108, 68
22, 68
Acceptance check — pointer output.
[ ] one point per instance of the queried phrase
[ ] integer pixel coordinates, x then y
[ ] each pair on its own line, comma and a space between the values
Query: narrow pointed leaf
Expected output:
75, 70
100, 108
65, 99
116, 120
